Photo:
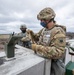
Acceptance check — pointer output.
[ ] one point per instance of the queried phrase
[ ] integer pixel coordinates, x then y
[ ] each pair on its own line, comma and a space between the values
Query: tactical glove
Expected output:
25, 39
29, 31
33, 46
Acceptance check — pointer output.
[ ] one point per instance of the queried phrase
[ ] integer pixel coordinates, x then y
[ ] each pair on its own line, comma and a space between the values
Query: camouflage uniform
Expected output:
25, 41
50, 43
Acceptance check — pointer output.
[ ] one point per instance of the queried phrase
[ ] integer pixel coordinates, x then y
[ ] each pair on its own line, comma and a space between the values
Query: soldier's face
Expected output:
48, 23
23, 30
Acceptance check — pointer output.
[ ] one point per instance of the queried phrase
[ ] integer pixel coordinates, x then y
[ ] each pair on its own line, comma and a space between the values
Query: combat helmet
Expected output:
23, 26
46, 14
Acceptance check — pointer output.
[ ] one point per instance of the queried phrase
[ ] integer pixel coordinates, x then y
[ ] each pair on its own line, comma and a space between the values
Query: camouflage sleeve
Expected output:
26, 38
34, 36
56, 48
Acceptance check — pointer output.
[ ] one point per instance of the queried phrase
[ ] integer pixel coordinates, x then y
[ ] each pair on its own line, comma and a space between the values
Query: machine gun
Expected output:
10, 45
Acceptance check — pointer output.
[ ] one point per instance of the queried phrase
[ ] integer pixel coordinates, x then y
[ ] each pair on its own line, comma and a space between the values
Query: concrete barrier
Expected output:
25, 62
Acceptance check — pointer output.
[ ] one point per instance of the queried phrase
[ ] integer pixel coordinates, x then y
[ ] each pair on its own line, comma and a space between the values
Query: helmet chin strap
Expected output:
47, 23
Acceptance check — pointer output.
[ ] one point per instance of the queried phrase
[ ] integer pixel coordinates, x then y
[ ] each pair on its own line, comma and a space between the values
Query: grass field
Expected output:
4, 36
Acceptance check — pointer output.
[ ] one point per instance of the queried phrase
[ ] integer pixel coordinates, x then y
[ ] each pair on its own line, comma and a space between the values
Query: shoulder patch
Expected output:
61, 40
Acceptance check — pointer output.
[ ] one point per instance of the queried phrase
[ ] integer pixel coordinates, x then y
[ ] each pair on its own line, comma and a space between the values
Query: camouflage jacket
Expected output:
55, 47
25, 38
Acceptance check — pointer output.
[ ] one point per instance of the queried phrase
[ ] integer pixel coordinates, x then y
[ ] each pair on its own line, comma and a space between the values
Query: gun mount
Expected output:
10, 45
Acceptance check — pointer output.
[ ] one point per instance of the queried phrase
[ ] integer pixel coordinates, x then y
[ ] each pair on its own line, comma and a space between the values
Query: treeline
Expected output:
70, 35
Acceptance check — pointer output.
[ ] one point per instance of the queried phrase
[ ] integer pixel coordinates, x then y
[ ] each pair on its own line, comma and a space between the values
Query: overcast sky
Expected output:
13, 13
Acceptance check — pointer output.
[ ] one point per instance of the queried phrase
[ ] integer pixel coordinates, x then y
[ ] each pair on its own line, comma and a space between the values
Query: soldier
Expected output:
50, 42
25, 41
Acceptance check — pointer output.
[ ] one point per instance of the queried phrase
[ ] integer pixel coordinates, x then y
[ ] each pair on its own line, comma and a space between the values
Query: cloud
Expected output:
13, 13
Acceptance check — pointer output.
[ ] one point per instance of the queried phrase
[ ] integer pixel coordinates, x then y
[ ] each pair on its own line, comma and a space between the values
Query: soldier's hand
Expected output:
25, 39
33, 46
29, 31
